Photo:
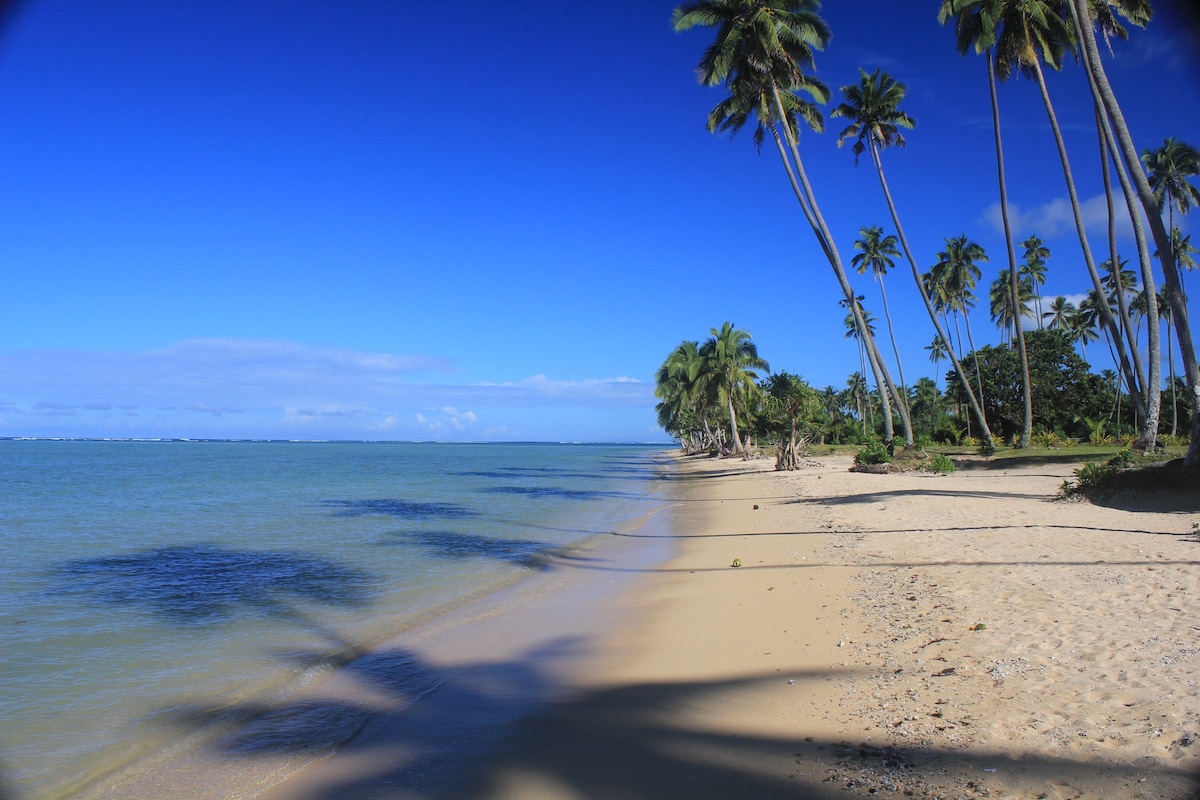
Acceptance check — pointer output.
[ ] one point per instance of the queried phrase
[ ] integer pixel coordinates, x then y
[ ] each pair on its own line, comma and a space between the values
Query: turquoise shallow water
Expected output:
141, 578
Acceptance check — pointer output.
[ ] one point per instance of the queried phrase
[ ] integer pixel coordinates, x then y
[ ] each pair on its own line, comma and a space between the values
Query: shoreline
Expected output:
479, 664
903, 635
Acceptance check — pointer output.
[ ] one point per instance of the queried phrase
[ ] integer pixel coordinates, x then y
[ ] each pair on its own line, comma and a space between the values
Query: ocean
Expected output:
140, 579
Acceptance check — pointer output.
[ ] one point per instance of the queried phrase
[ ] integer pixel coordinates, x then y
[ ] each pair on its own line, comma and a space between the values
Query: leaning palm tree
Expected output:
979, 26
680, 384
1117, 131
760, 55
873, 108
731, 357
877, 253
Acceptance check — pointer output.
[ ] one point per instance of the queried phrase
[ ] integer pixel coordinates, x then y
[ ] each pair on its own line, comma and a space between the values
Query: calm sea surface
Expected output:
141, 578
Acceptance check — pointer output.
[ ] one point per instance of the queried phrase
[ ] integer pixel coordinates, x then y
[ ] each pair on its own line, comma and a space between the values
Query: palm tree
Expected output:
1033, 271
877, 253
938, 351
1119, 136
731, 357
1060, 315
873, 108
1164, 313
859, 392
1084, 323
956, 274
1000, 302
1169, 169
979, 25
790, 397
760, 54
681, 384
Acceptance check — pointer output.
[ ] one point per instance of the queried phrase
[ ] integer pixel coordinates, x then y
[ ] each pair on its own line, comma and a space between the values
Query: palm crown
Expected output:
873, 108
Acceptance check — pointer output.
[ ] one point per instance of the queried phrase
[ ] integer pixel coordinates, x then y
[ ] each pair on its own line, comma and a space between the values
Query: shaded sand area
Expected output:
895, 635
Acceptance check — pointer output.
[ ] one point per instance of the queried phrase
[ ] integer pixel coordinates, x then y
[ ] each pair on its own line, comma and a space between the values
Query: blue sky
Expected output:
387, 220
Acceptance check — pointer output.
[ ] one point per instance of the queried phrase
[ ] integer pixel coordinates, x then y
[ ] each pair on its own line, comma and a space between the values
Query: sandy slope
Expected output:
890, 635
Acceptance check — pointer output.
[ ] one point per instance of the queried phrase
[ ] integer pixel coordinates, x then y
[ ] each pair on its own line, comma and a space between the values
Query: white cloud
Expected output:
1055, 218
273, 389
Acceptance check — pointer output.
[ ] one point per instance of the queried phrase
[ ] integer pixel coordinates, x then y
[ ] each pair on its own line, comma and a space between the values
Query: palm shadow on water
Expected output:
205, 584
458, 545
395, 507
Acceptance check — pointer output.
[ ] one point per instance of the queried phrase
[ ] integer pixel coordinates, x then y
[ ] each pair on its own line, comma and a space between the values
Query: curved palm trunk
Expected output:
737, 440
1100, 86
976, 407
1147, 397
1077, 213
1174, 397
798, 179
1014, 280
808, 202
895, 349
1134, 374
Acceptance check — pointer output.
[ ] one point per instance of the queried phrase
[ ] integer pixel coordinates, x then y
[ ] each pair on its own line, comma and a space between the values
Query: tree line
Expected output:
719, 396
764, 56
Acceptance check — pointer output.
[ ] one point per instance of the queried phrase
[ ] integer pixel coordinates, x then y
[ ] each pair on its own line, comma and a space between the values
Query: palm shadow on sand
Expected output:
464, 732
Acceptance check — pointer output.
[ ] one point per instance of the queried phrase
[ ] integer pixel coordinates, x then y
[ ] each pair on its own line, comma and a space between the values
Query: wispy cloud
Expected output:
274, 389
1055, 218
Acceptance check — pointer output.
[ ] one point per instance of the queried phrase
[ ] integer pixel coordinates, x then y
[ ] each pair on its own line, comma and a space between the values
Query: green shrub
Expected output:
1047, 439
874, 453
940, 464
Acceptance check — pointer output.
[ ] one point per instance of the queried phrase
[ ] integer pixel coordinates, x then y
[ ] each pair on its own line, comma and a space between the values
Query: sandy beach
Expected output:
903, 635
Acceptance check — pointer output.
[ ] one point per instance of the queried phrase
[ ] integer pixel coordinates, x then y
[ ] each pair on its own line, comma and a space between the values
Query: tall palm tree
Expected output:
956, 272
1169, 169
979, 25
859, 392
1104, 98
877, 253
731, 357
939, 351
1033, 270
760, 54
873, 108
1164, 314
1026, 32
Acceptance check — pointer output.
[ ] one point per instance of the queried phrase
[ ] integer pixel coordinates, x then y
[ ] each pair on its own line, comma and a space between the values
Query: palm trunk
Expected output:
1134, 374
737, 440
804, 195
817, 221
1080, 229
895, 349
1014, 278
976, 406
1150, 405
1100, 86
